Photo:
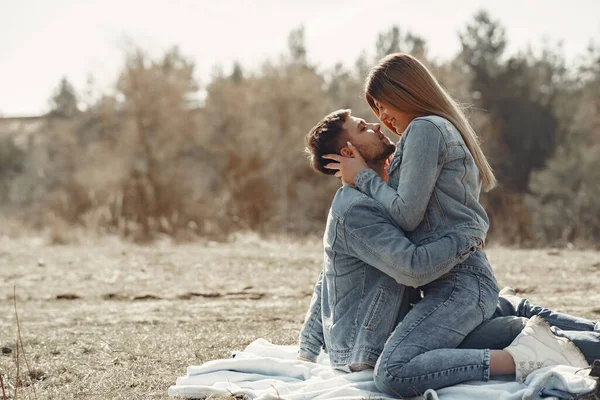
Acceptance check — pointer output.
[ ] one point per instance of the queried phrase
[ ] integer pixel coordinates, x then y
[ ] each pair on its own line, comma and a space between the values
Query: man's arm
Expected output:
372, 237
311, 335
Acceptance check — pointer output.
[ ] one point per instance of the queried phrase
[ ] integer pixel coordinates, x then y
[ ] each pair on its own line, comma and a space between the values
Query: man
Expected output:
358, 301
365, 255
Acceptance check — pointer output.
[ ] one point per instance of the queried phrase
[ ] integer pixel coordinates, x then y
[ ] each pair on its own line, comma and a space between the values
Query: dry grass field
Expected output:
115, 320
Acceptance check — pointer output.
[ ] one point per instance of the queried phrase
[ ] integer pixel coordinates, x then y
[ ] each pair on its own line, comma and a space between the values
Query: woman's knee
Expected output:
391, 382
384, 383
380, 375
381, 381
394, 387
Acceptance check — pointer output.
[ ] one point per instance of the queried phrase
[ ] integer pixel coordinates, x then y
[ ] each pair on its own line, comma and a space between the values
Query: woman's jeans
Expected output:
422, 352
511, 315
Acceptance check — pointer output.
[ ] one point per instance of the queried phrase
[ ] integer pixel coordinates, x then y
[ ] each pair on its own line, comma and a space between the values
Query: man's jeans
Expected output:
511, 315
422, 352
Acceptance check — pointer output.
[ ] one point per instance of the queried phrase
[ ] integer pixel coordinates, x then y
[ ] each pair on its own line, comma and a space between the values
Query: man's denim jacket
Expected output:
357, 301
433, 186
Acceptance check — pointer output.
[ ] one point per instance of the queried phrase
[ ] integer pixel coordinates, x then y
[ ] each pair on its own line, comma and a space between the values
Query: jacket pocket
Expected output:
373, 317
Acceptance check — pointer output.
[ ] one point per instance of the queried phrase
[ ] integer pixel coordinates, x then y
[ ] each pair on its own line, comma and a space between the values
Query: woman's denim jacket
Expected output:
433, 186
357, 301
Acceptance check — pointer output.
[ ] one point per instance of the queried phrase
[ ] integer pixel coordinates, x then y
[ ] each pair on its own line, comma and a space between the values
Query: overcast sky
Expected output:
42, 41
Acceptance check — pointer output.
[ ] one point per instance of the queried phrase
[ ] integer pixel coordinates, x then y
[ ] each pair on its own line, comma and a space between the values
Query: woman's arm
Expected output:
422, 161
371, 237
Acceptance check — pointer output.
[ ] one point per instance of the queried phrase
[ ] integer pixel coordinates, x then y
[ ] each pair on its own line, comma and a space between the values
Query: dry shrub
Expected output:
257, 127
510, 220
149, 160
130, 167
565, 199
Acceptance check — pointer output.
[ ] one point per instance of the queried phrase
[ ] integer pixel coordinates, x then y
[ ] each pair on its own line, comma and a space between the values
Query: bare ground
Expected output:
114, 320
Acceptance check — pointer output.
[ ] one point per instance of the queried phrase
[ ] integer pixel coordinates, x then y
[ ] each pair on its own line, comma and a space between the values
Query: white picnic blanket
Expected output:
264, 371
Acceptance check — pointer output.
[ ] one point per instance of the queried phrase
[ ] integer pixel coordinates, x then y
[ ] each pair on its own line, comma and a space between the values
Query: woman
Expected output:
433, 188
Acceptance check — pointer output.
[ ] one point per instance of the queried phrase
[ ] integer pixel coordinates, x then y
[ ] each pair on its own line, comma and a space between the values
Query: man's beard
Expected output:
387, 151
367, 152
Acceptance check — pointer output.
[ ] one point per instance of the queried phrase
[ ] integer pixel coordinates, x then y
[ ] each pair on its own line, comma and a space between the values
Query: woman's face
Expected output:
394, 119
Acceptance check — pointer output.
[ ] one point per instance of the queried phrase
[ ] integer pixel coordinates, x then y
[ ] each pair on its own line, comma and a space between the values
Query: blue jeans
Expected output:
422, 352
511, 315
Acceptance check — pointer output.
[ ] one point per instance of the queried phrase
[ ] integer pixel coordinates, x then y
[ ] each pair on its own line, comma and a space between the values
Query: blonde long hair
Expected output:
403, 82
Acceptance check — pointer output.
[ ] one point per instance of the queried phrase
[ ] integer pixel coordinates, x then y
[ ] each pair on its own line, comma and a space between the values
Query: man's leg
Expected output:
512, 305
588, 342
510, 318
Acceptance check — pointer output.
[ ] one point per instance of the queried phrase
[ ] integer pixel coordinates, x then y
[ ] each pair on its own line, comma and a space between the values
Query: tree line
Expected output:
152, 158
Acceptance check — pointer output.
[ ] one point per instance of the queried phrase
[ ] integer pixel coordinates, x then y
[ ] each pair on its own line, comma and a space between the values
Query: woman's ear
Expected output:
346, 152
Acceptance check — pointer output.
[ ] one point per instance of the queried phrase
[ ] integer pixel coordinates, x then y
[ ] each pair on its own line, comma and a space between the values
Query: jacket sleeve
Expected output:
373, 238
311, 335
422, 161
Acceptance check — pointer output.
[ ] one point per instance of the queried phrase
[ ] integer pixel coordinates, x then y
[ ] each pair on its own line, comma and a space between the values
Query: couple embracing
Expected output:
406, 288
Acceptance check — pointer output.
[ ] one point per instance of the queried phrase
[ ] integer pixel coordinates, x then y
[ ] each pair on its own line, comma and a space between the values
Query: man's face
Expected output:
368, 139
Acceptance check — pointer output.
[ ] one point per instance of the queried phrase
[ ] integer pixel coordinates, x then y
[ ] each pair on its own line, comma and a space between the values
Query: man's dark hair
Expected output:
327, 137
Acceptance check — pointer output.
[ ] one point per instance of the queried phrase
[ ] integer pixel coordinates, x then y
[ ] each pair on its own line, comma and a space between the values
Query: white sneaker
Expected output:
507, 290
537, 347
